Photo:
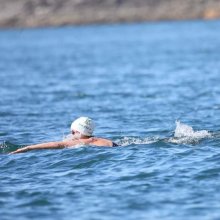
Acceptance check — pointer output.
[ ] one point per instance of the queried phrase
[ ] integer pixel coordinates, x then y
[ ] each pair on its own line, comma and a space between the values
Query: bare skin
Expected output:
67, 143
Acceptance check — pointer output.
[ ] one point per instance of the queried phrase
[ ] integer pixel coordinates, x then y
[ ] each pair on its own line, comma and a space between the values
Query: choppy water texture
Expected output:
153, 88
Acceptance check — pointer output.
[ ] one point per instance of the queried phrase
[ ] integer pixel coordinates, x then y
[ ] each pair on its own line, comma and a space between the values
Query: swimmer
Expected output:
81, 134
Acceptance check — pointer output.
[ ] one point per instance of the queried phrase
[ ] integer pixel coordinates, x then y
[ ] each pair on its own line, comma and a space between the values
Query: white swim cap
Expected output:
84, 125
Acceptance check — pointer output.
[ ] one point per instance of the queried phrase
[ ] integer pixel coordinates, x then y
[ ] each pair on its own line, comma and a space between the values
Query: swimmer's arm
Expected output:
49, 145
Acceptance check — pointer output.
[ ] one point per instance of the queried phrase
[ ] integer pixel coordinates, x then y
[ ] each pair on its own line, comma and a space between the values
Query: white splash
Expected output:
133, 140
185, 134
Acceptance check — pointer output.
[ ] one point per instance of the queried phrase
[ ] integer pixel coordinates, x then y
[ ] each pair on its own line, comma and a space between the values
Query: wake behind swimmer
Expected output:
183, 134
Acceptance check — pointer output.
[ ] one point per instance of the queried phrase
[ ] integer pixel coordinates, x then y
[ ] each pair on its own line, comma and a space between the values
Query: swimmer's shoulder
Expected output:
70, 143
103, 142
96, 141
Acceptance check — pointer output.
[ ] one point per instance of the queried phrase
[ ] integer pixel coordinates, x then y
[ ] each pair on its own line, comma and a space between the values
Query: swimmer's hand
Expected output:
21, 150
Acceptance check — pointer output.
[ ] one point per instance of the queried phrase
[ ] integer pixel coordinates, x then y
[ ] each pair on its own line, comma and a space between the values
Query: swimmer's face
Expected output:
76, 134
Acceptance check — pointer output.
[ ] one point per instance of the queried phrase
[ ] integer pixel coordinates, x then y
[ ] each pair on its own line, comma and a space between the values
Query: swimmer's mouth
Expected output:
73, 132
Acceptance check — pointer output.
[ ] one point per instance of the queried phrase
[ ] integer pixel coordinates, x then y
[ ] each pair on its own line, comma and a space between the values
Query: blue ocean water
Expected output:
153, 88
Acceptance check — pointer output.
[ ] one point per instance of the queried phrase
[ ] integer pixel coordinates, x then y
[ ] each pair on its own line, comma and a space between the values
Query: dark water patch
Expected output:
7, 147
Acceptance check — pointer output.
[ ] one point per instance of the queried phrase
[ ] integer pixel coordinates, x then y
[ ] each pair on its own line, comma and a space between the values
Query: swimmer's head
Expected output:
83, 125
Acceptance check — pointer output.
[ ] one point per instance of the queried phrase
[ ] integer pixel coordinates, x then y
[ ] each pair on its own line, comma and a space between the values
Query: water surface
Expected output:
135, 81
